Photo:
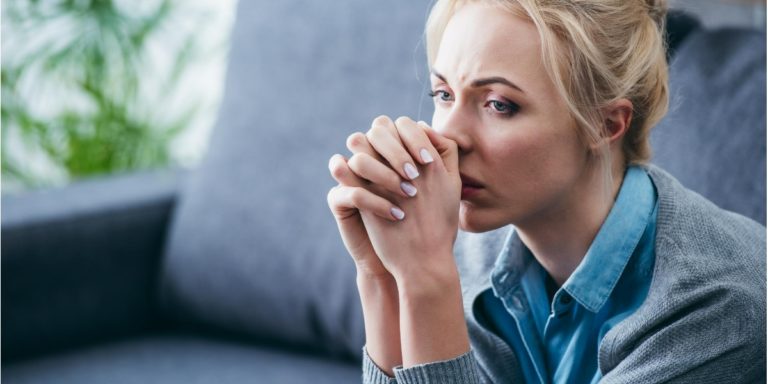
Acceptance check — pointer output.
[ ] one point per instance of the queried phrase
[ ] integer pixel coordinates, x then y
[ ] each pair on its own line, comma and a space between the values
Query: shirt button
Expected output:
565, 299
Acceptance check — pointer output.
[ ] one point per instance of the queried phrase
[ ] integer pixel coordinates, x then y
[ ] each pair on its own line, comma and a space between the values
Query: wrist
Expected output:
425, 285
372, 271
379, 299
378, 282
432, 323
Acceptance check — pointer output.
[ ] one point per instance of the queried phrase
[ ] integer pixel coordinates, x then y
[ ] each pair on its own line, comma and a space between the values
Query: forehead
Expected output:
485, 40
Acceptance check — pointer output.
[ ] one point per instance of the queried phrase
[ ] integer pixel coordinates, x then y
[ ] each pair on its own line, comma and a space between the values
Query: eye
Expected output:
440, 94
504, 108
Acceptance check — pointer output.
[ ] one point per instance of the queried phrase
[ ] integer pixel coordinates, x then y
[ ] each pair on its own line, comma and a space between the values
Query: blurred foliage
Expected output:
72, 89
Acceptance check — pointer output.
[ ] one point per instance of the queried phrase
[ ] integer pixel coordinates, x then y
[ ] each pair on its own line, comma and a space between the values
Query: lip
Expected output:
469, 187
470, 182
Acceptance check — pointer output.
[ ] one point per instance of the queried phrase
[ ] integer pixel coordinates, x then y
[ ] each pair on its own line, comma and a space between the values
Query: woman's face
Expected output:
520, 157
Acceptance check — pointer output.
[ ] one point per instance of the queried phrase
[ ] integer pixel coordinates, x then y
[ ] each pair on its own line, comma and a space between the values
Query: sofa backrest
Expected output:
253, 248
713, 138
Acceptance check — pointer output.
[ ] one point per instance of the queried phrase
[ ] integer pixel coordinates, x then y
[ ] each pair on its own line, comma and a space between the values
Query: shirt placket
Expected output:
517, 306
559, 327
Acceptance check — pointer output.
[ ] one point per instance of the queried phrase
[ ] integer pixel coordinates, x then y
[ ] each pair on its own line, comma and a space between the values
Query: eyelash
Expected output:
495, 104
512, 107
434, 94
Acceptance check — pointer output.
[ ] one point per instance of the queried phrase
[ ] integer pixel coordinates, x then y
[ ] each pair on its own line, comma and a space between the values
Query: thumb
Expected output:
447, 148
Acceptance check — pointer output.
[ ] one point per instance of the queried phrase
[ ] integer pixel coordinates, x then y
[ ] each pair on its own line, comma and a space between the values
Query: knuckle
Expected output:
338, 170
403, 121
364, 157
381, 120
333, 160
356, 196
331, 197
355, 140
395, 179
376, 130
354, 161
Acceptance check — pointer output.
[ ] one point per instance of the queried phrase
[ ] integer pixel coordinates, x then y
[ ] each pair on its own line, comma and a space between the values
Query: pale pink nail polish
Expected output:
426, 156
397, 213
410, 171
408, 188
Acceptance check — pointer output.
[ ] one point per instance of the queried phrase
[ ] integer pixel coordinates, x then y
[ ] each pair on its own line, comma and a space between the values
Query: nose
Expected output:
455, 124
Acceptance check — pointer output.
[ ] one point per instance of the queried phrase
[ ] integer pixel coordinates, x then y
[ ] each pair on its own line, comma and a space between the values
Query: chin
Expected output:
477, 220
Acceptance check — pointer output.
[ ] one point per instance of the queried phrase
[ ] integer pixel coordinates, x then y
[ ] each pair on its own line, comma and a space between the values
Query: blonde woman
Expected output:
610, 270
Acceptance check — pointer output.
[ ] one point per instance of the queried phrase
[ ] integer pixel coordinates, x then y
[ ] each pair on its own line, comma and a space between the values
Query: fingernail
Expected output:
410, 171
425, 156
397, 213
408, 188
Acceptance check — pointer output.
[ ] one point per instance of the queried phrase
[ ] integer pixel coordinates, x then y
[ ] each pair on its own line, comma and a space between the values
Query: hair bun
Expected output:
657, 10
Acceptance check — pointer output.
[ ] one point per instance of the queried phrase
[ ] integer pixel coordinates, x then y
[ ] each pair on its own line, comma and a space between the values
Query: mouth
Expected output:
470, 187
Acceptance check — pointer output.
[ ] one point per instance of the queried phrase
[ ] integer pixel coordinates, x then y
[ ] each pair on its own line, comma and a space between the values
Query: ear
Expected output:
616, 116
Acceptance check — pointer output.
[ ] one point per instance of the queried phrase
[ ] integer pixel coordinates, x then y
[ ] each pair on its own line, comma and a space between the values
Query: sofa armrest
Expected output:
80, 263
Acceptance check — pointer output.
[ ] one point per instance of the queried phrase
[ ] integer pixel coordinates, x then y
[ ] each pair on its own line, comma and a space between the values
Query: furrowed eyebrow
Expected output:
495, 80
439, 76
483, 82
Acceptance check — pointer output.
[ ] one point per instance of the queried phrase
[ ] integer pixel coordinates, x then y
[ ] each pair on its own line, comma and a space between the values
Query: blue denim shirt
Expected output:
557, 341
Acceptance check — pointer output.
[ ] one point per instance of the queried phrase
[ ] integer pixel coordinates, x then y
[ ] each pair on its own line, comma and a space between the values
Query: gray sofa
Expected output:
234, 271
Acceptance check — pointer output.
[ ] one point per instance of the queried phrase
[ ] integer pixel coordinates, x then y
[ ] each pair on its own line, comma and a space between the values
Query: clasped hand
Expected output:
397, 201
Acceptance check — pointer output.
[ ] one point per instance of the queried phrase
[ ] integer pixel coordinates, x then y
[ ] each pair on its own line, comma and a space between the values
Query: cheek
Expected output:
530, 168
516, 157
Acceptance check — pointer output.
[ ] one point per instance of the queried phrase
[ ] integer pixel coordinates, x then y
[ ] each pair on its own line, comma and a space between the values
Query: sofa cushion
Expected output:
253, 246
179, 359
713, 139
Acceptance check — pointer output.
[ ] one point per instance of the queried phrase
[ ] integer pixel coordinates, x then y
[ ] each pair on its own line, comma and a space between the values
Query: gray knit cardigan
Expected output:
703, 321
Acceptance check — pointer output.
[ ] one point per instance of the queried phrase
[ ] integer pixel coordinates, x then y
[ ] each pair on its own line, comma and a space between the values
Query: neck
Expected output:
560, 237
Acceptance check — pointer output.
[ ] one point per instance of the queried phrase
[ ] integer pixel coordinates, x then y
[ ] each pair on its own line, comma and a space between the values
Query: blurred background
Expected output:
94, 87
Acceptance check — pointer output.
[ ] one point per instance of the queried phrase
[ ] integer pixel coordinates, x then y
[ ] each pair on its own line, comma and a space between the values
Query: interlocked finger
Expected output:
383, 137
358, 143
366, 167
416, 140
342, 198
341, 172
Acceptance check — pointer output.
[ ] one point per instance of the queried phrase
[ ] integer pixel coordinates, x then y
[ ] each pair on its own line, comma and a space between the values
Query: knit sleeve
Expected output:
716, 337
372, 374
460, 370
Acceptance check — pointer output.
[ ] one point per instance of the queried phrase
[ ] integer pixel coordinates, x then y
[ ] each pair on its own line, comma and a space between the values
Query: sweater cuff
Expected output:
372, 374
460, 370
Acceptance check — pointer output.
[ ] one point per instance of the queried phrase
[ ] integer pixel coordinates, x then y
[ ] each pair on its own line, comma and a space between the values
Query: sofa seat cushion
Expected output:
175, 358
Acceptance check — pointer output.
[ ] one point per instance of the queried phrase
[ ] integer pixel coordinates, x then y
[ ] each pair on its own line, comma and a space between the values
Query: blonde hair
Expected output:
595, 52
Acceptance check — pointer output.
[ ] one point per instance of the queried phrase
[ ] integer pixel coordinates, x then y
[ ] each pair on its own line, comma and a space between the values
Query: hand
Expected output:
377, 287
354, 194
417, 250
408, 151
344, 201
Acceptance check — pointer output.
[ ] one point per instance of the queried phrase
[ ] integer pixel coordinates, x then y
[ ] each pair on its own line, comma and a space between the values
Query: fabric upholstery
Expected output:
180, 359
80, 263
253, 247
713, 139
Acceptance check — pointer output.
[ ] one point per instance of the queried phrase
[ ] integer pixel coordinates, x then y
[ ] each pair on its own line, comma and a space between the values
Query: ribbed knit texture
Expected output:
372, 374
461, 370
704, 320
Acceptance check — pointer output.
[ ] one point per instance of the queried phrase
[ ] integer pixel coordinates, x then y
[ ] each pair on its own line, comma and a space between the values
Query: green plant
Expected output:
74, 76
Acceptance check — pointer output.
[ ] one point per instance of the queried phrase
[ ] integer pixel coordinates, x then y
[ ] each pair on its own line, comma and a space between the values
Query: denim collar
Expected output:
594, 279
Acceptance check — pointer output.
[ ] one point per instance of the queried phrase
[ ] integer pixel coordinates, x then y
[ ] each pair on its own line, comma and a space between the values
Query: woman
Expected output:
611, 270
